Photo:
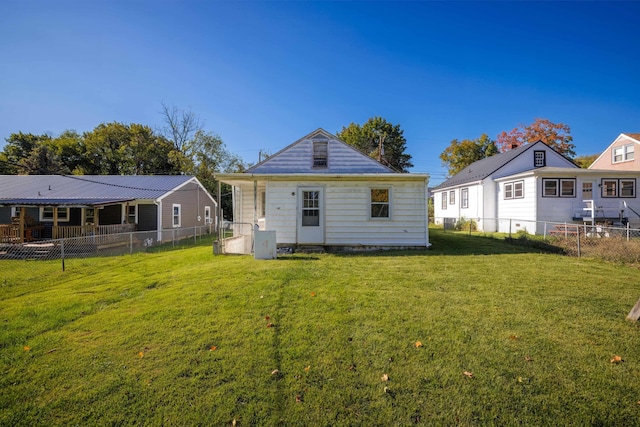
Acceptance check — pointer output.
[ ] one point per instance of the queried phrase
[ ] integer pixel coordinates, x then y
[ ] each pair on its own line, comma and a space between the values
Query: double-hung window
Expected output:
452, 197
514, 190
558, 187
380, 203
623, 153
444, 200
177, 215
47, 213
619, 187
464, 198
320, 154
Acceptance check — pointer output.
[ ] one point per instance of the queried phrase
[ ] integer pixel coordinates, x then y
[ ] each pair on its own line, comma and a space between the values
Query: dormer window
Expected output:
539, 159
320, 154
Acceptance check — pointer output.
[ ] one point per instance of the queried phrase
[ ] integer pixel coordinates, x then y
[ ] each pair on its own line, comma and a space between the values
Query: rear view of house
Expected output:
320, 191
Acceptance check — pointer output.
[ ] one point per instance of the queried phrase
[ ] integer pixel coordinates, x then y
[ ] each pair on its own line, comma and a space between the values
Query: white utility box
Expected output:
265, 245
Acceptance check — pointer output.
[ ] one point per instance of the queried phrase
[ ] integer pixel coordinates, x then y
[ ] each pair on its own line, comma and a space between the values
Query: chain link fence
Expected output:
617, 243
21, 262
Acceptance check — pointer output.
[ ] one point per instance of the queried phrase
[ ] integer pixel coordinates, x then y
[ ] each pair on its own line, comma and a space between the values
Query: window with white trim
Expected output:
623, 153
177, 215
46, 214
131, 214
444, 200
452, 197
464, 198
625, 187
558, 187
539, 159
609, 188
380, 203
207, 215
89, 216
320, 154
514, 190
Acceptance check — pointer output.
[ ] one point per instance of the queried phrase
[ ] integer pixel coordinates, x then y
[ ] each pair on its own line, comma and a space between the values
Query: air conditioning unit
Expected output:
208, 220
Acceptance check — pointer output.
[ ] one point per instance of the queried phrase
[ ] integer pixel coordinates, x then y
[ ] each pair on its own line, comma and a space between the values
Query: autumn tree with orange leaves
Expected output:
555, 135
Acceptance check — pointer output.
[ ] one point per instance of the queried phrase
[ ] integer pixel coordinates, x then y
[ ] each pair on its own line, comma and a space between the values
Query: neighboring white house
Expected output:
524, 187
320, 191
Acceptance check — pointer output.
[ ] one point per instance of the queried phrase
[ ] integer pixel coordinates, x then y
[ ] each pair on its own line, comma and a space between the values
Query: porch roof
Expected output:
240, 178
61, 202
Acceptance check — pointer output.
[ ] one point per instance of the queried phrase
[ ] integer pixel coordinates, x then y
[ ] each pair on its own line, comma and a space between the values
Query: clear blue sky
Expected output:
263, 74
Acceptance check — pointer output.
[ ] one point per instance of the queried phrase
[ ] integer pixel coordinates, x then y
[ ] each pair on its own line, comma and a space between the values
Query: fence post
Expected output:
62, 252
195, 234
131, 243
509, 227
173, 237
578, 237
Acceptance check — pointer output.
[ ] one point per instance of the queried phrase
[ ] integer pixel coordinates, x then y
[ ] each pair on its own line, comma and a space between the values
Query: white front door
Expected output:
310, 215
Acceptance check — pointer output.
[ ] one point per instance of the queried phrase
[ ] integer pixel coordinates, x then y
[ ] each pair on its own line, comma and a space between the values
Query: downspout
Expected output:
426, 210
255, 202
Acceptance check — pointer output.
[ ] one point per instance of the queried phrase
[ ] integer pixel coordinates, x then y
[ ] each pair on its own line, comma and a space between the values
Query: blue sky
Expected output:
263, 74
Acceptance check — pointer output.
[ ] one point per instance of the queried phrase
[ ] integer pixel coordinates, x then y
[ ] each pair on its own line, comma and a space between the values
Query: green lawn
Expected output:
189, 338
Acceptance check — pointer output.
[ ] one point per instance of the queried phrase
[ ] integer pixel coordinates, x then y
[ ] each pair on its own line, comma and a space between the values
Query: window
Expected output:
46, 214
518, 190
89, 216
15, 211
627, 188
587, 190
379, 203
320, 154
207, 215
623, 153
310, 208
539, 159
464, 198
558, 187
567, 188
177, 210
609, 188
131, 214
508, 190
618, 188
444, 200
514, 190
550, 188
452, 197
263, 204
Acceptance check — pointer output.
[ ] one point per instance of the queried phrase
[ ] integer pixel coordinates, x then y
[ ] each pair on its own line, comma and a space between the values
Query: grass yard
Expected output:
472, 332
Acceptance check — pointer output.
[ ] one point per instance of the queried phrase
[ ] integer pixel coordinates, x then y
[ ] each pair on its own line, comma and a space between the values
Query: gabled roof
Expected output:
486, 167
294, 158
635, 137
481, 169
85, 189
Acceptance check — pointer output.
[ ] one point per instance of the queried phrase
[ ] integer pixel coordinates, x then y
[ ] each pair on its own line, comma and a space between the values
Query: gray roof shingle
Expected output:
84, 189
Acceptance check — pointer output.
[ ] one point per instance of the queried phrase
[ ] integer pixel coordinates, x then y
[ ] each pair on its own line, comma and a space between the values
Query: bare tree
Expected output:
180, 127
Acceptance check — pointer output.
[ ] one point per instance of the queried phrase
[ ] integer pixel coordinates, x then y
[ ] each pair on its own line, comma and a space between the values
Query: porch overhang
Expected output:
244, 178
62, 202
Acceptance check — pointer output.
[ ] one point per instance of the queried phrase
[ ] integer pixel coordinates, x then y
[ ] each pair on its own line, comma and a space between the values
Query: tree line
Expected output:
460, 154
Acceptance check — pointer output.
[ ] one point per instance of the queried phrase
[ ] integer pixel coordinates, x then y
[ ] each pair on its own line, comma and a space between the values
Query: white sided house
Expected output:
533, 185
320, 191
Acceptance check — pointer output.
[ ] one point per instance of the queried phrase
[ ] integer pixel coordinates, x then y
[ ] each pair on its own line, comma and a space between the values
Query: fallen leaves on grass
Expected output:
513, 337
313, 294
26, 348
213, 348
307, 368
275, 372
418, 344
270, 325
267, 318
299, 398
616, 359
528, 359
468, 374
385, 377
140, 355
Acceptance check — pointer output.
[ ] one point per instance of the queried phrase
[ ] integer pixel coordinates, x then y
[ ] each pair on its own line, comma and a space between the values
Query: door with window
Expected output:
310, 220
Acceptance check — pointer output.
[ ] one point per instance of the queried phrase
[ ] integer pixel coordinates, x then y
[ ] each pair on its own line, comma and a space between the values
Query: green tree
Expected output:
42, 160
19, 147
381, 140
460, 154
587, 160
555, 135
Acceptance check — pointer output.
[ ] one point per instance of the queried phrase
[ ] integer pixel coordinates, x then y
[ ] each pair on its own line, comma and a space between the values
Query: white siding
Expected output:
346, 212
518, 214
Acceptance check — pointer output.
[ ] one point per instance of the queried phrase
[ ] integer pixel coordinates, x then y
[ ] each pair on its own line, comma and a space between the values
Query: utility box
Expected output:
265, 245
